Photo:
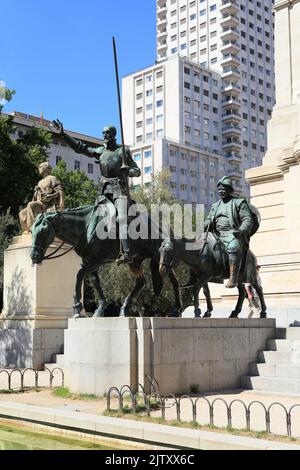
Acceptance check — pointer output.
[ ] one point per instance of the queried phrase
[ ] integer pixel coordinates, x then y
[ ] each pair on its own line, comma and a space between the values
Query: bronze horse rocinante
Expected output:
72, 227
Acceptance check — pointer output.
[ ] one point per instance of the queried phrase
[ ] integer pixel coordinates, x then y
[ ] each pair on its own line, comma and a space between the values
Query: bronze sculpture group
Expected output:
224, 249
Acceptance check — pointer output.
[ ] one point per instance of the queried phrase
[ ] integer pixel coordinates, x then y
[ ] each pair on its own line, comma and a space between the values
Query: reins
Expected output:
50, 256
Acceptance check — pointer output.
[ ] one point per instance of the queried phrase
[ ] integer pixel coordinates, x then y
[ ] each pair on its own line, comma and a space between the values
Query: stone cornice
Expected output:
280, 4
263, 173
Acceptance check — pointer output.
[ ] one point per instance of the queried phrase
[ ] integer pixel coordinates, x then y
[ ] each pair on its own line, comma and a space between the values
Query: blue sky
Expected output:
58, 56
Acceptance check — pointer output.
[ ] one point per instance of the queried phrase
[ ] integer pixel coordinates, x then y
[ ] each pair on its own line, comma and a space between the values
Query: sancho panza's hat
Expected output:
225, 181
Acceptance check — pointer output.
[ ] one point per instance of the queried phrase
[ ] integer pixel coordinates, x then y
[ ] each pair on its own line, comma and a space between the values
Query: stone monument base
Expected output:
182, 354
26, 347
37, 303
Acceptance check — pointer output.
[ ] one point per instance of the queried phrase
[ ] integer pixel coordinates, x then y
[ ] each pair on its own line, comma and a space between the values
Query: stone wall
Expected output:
181, 354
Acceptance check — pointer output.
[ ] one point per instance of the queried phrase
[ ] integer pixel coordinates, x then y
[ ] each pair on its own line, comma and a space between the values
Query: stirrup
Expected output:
124, 258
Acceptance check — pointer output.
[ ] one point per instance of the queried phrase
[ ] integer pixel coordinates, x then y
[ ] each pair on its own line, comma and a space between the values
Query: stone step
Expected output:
52, 365
288, 333
271, 384
283, 345
279, 357
59, 359
287, 371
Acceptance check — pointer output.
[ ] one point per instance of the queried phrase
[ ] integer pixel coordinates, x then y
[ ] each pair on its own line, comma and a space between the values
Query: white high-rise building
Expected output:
231, 43
173, 121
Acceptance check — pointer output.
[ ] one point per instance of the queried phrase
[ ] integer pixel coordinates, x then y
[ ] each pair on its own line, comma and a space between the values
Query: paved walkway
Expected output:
278, 424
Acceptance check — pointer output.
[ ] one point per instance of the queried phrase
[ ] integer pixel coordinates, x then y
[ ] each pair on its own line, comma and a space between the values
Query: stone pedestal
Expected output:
37, 304
179, 353
275, 185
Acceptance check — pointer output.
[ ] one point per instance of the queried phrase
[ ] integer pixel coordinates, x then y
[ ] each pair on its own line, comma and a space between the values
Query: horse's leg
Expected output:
176, 287
139, 284
197, 309
259, 290
239, 304
102, 300
77, 307
209, 304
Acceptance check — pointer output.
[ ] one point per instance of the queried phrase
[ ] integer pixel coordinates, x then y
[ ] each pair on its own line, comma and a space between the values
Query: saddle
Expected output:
248, 262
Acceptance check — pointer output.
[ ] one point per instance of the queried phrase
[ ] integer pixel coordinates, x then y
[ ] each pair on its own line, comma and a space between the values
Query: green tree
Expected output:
79, 190
19, 160
158, 192
117, 280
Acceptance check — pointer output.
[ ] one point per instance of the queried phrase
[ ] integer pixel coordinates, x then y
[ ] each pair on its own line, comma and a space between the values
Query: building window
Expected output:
148, 153
90, 168
58, 159
147, 169
77, 165
159, 103
159, 133
149, 136
137, 157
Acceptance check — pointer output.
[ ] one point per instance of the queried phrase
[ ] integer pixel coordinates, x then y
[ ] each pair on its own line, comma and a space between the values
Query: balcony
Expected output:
161, 55
229, 6
233, 146
161, 33
162, 11
230, 73
230, 34
162, 46
232, 88
231, 117
230, 61
234, 131
234, 173
161, 3
230, 47
231, 102
229, 21
234, 157
161, 21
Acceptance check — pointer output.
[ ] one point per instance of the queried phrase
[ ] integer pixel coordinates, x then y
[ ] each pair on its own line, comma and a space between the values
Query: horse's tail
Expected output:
250, 268
157, 280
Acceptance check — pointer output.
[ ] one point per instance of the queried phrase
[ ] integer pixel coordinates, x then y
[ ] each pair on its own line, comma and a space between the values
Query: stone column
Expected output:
275, 185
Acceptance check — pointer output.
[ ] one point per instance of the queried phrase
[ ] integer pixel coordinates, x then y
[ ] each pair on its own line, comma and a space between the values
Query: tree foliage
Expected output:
79, 190
19, 160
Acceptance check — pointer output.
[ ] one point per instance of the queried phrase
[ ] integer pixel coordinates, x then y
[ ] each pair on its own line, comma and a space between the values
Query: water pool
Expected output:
16, 438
